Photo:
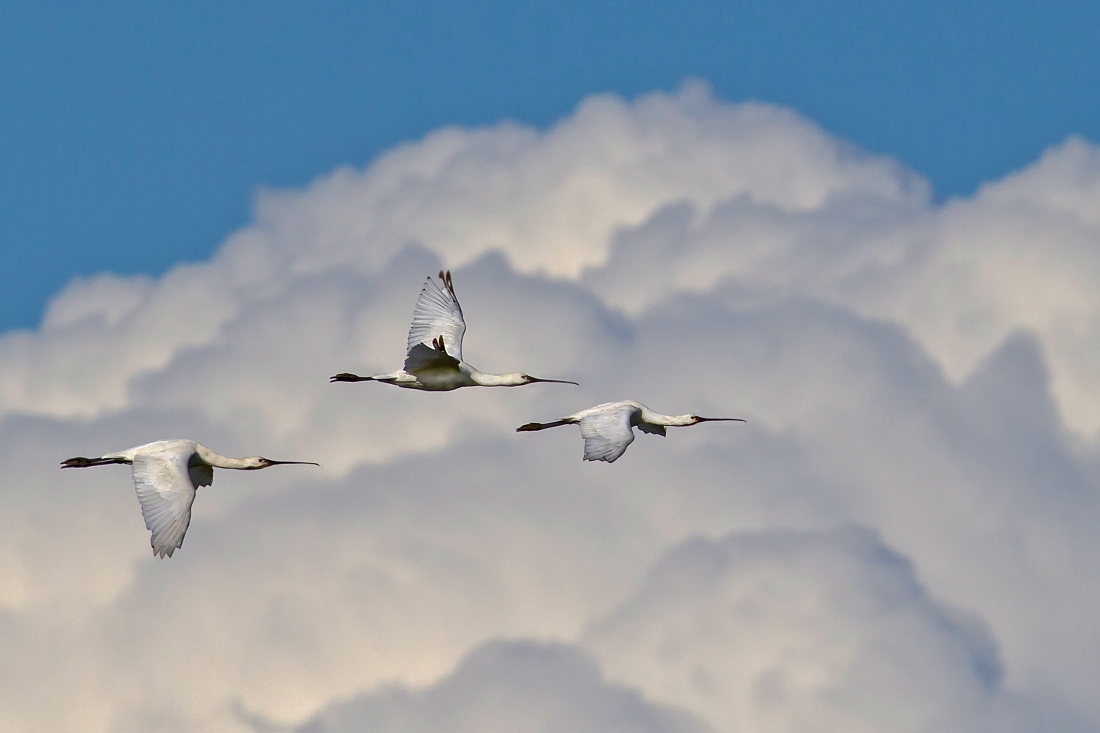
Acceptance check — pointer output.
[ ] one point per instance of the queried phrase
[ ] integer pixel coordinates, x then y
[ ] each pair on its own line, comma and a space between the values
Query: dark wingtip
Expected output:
347, 377
445, 279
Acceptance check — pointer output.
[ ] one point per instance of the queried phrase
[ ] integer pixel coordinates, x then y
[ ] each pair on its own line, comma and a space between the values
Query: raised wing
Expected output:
438, 314
166, 489
606, 435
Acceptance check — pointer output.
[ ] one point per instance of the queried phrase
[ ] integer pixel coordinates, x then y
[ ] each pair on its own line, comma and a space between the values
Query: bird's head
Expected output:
253, 463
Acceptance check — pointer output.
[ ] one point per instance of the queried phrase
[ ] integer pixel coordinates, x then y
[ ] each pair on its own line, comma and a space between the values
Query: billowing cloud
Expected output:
514, 688
918, 370
786, 630
960, 278
549, 201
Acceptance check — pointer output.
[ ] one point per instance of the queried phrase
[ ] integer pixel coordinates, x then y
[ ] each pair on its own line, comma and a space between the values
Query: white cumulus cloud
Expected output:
511, 688
785, 630
917, 369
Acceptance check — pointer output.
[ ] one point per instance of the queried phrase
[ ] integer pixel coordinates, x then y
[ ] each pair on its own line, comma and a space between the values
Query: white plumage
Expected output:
438, 315
607, 429
166, 476
433, 358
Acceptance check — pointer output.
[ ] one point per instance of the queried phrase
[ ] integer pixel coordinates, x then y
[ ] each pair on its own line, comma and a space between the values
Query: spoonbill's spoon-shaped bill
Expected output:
607, 429
166, 475
433, 358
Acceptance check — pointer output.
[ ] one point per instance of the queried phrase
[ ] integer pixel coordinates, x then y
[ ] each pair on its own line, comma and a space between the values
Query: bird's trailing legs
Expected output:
348, 377
82, 462
532, 426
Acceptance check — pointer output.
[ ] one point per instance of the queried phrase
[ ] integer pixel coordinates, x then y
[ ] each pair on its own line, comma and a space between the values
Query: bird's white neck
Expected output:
498, 380
218, 461
672, 421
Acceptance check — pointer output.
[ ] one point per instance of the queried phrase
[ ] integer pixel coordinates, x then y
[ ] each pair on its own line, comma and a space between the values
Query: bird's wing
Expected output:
438, 313
606, 435
648, 427
423, 358
166, 491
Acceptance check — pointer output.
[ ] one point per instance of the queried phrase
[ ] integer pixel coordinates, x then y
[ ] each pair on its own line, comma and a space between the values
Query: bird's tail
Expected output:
81, 462
531, 426
347, 377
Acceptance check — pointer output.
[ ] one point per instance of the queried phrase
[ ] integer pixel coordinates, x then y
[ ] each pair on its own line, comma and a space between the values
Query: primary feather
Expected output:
166, 489
438, 314
606, 434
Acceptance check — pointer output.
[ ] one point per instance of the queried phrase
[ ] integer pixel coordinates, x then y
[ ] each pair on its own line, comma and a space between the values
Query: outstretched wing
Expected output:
166, 489
606, 435
438, 314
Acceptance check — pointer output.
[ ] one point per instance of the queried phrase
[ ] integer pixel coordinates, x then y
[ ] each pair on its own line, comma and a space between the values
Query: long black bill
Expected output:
290, 463
555, 381
721, 419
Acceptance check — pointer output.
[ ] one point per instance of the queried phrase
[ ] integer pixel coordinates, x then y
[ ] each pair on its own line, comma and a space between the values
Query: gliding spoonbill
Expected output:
438, 367
166, 474
607, 429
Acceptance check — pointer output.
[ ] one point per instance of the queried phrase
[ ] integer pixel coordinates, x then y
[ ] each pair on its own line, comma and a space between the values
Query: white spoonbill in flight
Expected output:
166, 474
607, 429
434, 350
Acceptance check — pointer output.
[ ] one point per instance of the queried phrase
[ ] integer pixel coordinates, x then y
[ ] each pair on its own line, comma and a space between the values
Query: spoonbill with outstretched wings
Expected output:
608, 429
166, 474
434, 350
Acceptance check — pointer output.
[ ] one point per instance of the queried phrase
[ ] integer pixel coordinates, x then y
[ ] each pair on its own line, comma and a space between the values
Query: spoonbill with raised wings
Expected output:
166, 474
607, 429
433, 358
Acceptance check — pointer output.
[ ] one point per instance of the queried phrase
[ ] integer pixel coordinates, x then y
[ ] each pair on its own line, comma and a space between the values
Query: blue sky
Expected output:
132, 136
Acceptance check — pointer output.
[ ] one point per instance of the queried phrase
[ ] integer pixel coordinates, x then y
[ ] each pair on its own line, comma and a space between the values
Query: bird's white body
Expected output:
167, 474
433, 360
450, 377
608, 429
